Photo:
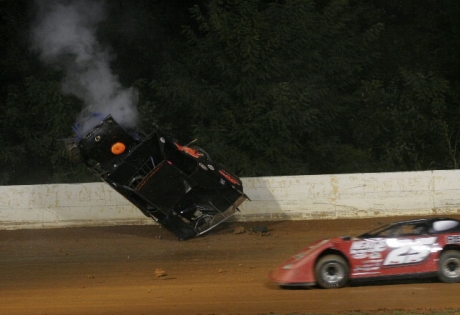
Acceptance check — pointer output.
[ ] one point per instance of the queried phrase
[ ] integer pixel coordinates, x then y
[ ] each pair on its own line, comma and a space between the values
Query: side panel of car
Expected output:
299, 269
380, 253
386, 257
393, 256
376, 257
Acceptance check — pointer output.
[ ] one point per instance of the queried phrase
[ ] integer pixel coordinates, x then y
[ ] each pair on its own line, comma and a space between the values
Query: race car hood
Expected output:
297, 269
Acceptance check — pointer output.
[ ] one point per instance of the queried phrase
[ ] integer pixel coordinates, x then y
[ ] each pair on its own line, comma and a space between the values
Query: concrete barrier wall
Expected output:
353, 195
272, 198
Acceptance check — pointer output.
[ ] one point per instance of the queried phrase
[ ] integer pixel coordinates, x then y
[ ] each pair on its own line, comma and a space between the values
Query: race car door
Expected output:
399, 250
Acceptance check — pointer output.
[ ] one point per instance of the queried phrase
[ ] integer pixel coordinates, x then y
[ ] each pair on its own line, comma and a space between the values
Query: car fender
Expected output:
299, 268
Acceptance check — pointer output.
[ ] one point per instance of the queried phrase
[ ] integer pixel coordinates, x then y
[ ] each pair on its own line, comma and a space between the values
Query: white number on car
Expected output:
408, 251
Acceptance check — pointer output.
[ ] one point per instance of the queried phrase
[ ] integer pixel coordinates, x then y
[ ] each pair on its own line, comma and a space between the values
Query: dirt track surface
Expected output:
146, 270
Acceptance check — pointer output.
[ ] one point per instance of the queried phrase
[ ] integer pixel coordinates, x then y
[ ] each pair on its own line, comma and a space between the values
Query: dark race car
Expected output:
405, 249
178, 186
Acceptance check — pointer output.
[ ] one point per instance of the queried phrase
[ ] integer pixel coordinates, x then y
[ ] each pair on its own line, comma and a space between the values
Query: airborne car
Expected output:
405, 249
178, 186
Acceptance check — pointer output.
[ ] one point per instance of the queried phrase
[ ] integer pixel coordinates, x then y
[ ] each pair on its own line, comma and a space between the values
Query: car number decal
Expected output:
401, 251
409, 251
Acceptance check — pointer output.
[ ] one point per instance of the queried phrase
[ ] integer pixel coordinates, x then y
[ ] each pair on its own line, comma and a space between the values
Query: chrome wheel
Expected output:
331, 272
449, 266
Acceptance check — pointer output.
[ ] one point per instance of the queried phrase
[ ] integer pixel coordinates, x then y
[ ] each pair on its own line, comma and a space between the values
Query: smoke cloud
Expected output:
64, 35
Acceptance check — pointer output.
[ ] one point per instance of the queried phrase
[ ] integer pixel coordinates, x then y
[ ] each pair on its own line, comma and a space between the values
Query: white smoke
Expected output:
64, 34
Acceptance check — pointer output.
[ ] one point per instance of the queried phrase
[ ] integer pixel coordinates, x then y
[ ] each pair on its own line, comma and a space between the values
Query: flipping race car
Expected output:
405, 249
178, 186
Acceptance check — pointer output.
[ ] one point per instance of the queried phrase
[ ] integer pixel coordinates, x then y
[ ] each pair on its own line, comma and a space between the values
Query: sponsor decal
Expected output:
370, 248
400, 251
229, 177
453, 239
369, 265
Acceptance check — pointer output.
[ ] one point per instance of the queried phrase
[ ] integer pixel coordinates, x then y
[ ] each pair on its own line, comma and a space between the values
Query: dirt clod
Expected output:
160, 273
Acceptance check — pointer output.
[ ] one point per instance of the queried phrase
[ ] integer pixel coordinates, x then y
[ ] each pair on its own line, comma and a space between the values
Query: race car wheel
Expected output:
449, 266
331, 271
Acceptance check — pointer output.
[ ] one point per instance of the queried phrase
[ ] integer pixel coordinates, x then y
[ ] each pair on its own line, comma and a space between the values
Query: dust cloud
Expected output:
64, 33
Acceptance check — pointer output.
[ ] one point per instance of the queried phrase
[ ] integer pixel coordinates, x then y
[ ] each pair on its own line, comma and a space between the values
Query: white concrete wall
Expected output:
353, 195
65, 205
272, 198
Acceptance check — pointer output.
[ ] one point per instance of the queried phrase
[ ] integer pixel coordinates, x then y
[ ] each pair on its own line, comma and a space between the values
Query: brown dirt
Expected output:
146, 270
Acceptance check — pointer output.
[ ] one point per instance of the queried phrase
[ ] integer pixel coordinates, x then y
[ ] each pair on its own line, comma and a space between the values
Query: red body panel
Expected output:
369, 257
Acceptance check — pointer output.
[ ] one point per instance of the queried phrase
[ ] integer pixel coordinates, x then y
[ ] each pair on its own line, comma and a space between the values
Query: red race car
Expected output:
405, 249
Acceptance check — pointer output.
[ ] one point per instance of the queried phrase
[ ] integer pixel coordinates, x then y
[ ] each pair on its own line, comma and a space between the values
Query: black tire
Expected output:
332, 271
449, 266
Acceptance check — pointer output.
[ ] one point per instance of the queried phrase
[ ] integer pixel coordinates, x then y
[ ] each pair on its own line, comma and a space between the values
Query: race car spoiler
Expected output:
178, 186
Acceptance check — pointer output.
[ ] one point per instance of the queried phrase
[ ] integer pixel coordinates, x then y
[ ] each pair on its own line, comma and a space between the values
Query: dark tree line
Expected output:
268, 87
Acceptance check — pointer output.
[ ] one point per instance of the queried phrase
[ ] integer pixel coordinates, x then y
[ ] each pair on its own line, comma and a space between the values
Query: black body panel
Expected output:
178, 186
